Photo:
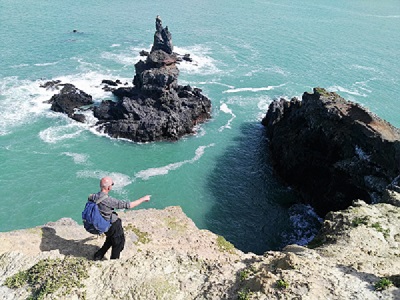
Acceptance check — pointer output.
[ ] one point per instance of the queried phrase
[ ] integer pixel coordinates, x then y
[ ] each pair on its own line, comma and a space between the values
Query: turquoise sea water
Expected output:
246, 53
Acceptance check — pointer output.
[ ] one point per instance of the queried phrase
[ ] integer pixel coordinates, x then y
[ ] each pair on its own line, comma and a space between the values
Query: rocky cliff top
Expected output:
167, 257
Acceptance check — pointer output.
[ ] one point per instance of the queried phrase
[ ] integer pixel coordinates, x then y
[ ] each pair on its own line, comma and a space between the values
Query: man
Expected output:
115, 237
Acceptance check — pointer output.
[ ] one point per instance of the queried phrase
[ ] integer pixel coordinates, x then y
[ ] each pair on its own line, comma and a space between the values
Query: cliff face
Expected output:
332, 151
167, 257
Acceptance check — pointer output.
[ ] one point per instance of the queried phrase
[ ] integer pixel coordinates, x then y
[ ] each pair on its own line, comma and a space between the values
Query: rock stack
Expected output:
332, 151
156, 107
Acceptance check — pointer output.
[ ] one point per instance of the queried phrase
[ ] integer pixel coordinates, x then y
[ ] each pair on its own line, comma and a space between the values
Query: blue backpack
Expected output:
92, 219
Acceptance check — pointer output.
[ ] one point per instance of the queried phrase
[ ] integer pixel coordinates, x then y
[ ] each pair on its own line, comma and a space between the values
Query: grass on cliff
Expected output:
143, 237
49, 276
244, 294
379, 228
224, 245
175, 224
282, 284
357, 221
383, 284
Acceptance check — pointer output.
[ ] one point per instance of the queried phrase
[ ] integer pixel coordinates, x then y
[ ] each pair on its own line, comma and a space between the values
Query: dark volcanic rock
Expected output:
187, 58
144, 53
68, 100
162, 38
156, 107
51, 85
109, 82
332, 151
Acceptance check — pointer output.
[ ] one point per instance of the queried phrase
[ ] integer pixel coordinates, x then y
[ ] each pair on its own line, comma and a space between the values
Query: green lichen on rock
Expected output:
379, 228
175, 224
244, 294
50, 276
357, 221
322, 92
282, 284
143, 237
244, 274
224, 245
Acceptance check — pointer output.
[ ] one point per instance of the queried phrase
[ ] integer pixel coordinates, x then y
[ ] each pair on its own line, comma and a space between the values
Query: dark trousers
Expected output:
115, 238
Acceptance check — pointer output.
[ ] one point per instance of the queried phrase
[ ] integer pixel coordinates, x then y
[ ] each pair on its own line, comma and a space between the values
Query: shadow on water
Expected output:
251, 209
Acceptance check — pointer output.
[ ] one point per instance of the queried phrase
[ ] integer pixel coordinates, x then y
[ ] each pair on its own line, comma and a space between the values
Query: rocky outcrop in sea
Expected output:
69, 100
155, 108
332, 151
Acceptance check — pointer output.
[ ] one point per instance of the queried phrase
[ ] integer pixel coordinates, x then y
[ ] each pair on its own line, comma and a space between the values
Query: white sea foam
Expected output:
90, 83
115, 45
363, 85
278, 70
202, 63
363, 68
216, 83
79, 158
200, 131
46, 64
354, 92
388, 16
146, 174
305, 224
56, 134
224, 108
248, 89
263, 105
19, 66
123, 58
22, 102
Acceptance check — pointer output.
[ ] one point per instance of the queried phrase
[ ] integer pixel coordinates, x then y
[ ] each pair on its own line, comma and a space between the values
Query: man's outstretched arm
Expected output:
139, 201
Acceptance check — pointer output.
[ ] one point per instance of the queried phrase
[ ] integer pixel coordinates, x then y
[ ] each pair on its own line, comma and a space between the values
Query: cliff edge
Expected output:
166, 256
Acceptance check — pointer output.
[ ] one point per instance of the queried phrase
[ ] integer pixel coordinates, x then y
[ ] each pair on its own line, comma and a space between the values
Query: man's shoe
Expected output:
96, 257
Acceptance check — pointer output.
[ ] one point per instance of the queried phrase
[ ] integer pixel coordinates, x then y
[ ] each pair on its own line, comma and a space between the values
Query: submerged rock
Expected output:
332, 151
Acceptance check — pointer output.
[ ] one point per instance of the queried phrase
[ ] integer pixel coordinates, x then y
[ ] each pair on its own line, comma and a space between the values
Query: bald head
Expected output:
106, 182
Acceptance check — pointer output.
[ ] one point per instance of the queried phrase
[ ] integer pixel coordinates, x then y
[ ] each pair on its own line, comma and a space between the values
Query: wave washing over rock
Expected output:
167, 257
155, 108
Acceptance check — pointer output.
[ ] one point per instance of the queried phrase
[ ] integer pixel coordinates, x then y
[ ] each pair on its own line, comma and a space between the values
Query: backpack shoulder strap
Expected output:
91, 196
101, 199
